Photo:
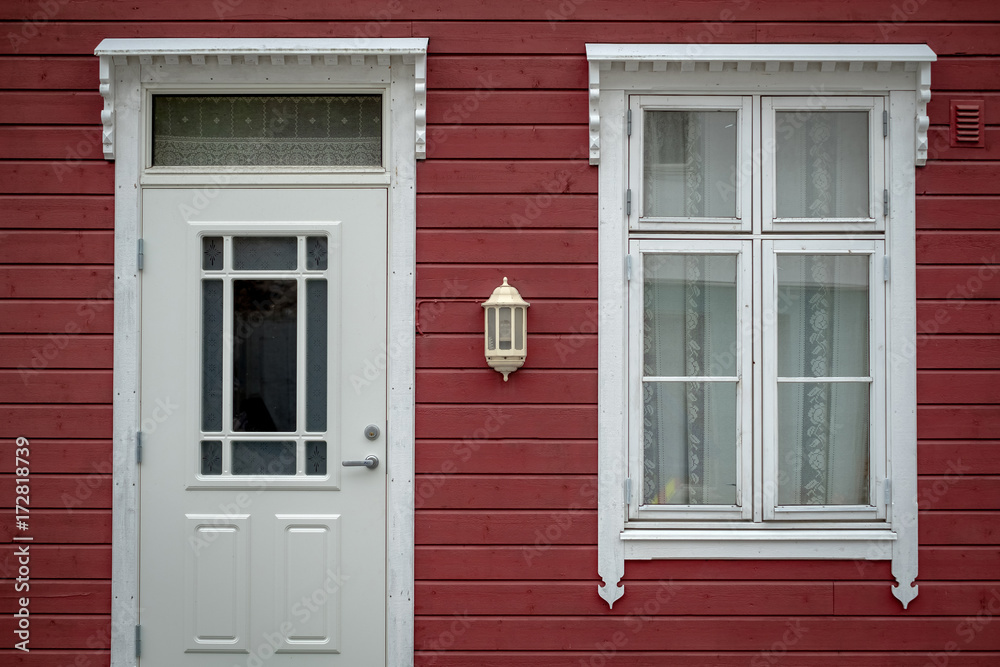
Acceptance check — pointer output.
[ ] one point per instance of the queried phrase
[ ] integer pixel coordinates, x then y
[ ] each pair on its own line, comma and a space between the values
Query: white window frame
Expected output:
875, 510
193, 83
770, 105
130, 69
639, 249
741, 104
900, 74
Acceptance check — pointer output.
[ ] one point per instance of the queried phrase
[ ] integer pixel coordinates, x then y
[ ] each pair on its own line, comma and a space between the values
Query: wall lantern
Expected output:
506, 329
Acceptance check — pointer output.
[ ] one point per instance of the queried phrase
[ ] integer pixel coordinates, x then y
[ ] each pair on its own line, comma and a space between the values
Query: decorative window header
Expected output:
861, 66
344, 53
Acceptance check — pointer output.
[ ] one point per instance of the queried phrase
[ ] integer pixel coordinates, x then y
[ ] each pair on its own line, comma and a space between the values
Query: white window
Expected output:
757, 367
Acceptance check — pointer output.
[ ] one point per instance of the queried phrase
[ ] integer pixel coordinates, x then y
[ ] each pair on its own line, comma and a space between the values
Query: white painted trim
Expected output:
396, 46
122, 65
901, 343
401, 355
612, 346
197, 52
761, 53
125, 402
899, 73
818, 62
770, 544
710, 535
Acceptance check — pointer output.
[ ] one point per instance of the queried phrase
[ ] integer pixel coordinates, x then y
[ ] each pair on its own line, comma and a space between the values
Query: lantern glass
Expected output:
519, 328
491, 328
505, 338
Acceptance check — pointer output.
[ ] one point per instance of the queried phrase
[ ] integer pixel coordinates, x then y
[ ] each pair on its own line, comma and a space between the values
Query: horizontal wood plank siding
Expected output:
516, 10
506, 473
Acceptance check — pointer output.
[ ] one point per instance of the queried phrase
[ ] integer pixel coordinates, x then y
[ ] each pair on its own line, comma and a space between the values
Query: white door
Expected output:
257, 546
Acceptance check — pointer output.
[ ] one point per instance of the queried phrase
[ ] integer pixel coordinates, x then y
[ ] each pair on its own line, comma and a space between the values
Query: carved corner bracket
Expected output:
923, 122
107, 89
612, 590
905, 590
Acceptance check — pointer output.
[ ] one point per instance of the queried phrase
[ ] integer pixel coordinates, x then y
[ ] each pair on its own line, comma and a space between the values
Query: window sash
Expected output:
640, 252
770, 455
770, 106
739, 179
758, 472
756, 159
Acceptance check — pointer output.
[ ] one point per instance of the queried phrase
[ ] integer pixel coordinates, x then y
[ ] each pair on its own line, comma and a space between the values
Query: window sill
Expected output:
766, 543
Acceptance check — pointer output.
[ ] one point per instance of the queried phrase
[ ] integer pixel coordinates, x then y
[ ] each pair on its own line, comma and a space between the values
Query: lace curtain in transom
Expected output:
267, 130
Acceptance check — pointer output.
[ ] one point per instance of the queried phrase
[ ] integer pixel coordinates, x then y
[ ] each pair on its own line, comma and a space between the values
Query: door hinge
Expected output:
885, 123
628, 123
628, 490
628, 202
139, 256
628, 268
885, 268
138, 446
885, 203
138, 641
887, 485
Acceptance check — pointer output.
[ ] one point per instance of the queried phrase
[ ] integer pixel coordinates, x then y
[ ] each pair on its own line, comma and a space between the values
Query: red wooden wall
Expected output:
506, 523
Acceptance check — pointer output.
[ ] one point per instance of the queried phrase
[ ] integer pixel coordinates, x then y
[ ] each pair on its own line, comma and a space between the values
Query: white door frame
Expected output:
398, 66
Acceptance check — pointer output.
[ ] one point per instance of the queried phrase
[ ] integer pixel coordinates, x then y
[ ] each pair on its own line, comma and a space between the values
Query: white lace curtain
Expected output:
272, 130
689, 309
823, 438
690, 427
689, 164
821, 164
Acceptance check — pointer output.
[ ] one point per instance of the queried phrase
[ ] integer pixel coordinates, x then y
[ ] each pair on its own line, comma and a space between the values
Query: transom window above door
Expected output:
342, 130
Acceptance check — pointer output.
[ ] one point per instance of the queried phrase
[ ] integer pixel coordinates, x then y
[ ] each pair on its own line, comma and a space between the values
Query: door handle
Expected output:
370, 462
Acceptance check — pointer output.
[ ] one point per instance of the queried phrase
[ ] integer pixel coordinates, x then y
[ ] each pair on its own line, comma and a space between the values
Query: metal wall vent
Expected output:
967, 123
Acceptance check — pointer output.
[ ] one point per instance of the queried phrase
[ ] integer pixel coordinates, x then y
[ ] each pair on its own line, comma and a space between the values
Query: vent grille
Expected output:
967, 123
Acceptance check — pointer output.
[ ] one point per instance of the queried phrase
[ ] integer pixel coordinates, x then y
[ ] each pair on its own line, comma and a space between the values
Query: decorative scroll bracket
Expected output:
107, 89
420, 104
594, 92
612, 590
252, 52
923, 122
905, 590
